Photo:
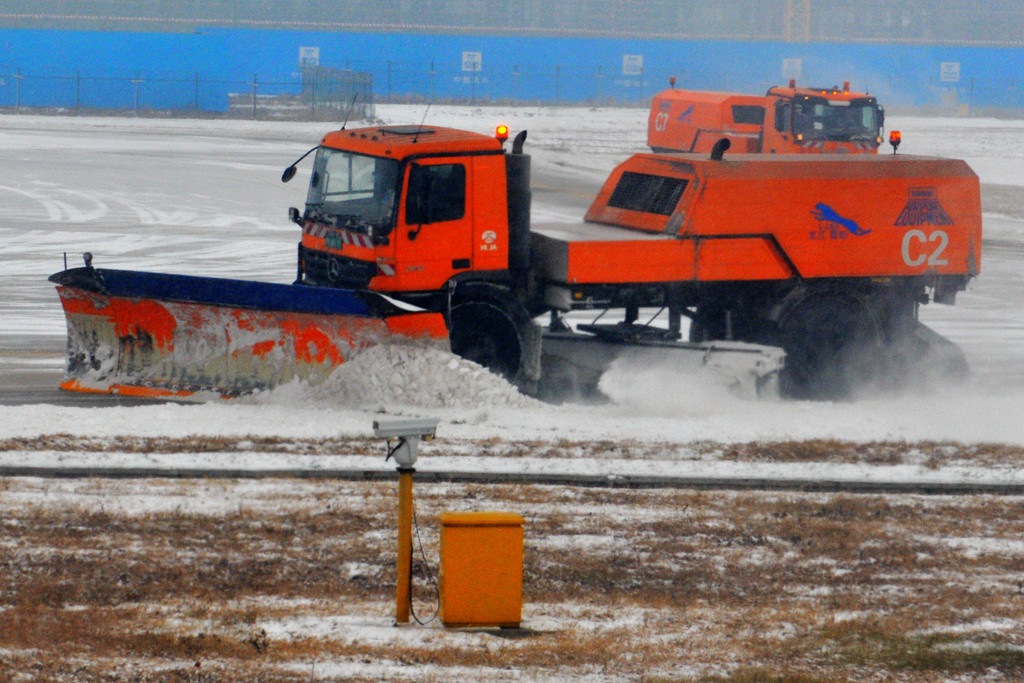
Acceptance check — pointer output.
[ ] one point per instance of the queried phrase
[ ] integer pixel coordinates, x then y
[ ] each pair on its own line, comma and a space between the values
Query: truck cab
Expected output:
437, 218
404, 209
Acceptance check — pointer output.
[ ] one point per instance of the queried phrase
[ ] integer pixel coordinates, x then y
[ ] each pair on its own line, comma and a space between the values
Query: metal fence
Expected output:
320, 92
324, 93
314, 93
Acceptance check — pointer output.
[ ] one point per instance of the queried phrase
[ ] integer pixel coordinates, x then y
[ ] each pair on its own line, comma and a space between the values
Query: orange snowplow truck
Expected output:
770, 273
828, 257
788, 120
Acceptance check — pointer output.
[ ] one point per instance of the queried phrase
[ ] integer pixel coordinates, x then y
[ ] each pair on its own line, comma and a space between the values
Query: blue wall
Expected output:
180, 70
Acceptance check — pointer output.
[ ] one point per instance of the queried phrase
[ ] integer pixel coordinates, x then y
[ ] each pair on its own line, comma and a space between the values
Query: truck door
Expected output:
776, 133
435, 226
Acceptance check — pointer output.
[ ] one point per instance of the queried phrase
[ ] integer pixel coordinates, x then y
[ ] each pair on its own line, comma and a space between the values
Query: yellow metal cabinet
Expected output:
481, 569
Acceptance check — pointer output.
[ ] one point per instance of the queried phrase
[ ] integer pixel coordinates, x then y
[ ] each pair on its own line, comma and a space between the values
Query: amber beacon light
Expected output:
895, 138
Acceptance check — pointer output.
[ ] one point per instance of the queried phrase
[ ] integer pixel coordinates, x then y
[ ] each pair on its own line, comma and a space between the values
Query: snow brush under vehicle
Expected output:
795, 272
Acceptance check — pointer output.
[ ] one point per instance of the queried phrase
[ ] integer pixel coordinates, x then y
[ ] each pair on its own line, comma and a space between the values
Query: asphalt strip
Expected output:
804, 485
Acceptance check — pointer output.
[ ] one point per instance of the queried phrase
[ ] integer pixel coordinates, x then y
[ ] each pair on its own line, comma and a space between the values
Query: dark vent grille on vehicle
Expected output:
647, 193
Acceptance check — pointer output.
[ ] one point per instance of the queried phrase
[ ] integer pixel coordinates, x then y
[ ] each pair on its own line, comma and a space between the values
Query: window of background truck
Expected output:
647, 193
783, 110
353, 190
437, 193
823, 120
864, 118
748, 113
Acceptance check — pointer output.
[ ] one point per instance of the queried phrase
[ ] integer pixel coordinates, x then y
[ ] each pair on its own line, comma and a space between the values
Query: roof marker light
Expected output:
501, 132
895, 138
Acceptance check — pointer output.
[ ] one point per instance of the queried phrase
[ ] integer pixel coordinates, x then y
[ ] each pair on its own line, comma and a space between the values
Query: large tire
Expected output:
491, 328
835, 346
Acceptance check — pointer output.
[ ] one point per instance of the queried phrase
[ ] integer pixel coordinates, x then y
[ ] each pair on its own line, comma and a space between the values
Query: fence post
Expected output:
255, 82
313, 92
197, 92
389, 82
137, 81
17, 91
558, 82
515, 83
78, 89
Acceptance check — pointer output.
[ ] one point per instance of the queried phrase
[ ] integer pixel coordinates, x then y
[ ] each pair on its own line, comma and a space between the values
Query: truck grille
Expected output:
331, 270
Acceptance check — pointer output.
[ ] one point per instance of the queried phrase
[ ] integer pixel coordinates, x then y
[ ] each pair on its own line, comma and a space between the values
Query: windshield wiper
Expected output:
313, 211
349, 221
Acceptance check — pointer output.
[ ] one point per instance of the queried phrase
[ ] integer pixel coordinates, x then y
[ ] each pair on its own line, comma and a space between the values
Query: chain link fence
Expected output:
324, 93
327, 93
313, 93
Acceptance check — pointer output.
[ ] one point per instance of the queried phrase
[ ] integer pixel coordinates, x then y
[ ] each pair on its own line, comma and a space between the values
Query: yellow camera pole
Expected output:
408, 432
403, 592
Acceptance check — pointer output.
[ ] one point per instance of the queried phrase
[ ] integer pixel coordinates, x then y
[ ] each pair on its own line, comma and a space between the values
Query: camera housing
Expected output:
405, 427
408, 431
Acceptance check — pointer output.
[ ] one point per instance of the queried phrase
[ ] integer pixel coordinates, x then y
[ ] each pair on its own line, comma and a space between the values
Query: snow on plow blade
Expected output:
574, 363
160, 335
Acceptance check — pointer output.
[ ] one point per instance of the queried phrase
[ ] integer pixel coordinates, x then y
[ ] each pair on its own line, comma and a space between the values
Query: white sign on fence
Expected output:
471, 61
632, 65
792, 68
949, 72
309, 56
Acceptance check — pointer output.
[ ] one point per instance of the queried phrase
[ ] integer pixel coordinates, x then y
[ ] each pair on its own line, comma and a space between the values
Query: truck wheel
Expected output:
499, 335
834, 346
483, 333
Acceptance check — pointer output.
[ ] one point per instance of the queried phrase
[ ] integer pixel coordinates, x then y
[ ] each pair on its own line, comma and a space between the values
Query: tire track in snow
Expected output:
97, 206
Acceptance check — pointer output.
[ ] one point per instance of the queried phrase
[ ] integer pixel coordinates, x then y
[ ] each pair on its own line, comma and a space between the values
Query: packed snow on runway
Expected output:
205, 198
707, 582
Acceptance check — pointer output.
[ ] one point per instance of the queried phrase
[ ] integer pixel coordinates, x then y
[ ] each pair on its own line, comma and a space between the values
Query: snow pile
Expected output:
406, 375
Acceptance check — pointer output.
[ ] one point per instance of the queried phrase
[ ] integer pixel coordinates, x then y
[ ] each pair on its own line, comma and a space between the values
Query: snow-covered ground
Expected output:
204, 197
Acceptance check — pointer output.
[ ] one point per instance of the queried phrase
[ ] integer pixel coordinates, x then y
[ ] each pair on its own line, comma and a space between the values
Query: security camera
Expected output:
408, 431
392, 428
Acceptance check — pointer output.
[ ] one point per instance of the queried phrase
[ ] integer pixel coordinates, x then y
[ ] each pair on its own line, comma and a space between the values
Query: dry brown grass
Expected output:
929, 453
193, 580
191, 444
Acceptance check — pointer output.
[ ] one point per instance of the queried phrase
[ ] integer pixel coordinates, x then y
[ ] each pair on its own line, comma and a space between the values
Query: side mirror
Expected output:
289, 173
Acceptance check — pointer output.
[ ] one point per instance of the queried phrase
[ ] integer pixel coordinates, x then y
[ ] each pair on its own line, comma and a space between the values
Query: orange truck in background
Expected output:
788, 120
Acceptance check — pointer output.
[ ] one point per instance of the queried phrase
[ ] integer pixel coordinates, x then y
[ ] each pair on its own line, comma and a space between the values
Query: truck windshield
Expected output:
816, 118
353, 191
